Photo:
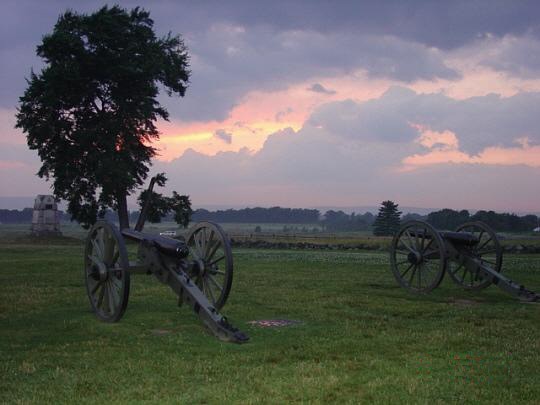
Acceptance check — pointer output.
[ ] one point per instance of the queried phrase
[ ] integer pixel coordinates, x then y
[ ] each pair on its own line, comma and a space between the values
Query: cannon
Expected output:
472, 255
199, 269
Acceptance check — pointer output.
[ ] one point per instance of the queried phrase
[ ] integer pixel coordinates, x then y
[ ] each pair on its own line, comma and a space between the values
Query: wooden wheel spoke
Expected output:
409, 237
111, 297
424, 250
217, 260
454, 271
424, 237
220, 288
434, 254
108, 253
483, 244
101, 296
209, 244
409, 248
96, 248
95, 260
117, 283
95, 287
406, 270
210, 293
419, 276
100, 238
213, 250
412, 274
115, 257
203, 242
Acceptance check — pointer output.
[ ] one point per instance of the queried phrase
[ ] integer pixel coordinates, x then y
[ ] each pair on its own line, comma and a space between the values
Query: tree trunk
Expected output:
123, 217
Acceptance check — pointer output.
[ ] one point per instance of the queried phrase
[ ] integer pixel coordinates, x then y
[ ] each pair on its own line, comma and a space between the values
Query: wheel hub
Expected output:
414, 258
99, 272
199, 268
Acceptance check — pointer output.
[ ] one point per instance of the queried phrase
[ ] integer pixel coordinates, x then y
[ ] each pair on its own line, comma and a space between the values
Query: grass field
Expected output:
361, 338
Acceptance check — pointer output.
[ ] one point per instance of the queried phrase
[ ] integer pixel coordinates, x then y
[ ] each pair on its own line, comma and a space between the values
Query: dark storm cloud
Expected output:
443, 24
224, 136
319, 88
229, 61
284, 41
517, 56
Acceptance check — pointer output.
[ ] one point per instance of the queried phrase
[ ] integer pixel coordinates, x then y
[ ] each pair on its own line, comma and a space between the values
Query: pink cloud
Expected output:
11, 164
444, 148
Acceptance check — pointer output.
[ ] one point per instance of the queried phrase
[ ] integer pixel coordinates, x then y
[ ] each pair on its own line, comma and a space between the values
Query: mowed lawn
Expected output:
361, 338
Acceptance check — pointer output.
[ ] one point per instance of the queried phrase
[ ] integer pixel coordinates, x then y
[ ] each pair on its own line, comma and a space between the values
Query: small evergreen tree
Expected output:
387, 221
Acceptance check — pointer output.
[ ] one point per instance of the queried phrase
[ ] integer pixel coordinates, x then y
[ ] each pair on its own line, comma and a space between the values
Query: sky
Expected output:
432, 104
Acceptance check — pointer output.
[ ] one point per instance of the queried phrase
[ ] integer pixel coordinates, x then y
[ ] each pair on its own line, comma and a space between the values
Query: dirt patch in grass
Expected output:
465, 303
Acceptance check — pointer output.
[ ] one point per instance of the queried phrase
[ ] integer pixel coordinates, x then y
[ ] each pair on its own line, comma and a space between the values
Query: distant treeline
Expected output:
331, 221
259, 215
16, 216
450, 219
339, 221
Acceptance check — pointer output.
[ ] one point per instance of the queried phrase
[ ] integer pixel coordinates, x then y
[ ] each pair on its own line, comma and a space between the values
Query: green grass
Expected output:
362, 339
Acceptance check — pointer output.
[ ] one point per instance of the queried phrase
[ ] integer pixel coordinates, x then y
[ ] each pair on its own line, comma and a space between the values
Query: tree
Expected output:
448, 218
387, 221
91, 112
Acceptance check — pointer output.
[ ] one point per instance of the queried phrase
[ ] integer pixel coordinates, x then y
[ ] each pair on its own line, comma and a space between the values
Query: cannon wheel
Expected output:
210, 248
418, 257
488, 250
106, 276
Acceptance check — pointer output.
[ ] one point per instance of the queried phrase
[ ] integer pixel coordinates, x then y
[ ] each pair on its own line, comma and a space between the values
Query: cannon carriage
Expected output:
199, 269
420, 255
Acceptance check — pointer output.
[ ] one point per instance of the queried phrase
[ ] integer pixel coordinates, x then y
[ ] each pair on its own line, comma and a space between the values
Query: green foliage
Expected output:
160, 206
507, 222
501, 222
448, 219
258, 229
91, 112
336, 221
181, 206
387, 221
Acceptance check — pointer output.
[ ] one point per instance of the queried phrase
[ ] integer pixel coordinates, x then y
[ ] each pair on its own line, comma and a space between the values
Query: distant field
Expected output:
270, 233
361, 338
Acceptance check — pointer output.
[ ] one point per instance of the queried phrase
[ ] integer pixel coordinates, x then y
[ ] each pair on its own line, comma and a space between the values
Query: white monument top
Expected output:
45, 202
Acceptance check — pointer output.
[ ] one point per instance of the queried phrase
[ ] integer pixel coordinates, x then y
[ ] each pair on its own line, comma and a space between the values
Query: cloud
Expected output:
239, 47
228, 62
517, 56
478, 122
319, 88
283, 113
224, 136
349, 151
448, 25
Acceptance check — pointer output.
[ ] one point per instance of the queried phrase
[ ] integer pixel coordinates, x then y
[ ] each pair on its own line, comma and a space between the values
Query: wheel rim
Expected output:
488, 250
417, 257
106, 278
210, 250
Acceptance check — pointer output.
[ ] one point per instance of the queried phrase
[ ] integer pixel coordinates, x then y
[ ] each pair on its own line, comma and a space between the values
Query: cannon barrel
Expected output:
168, 246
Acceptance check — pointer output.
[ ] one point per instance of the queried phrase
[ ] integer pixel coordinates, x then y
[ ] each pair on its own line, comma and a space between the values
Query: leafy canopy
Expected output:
160, 205
91, 112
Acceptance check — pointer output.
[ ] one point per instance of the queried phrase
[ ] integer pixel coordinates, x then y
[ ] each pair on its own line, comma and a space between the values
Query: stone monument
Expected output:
45, 219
